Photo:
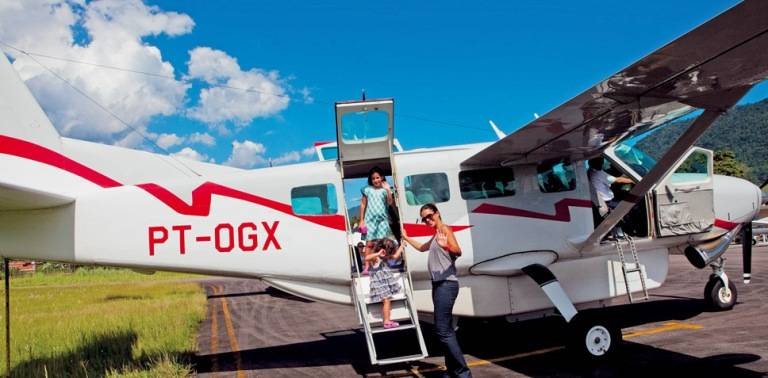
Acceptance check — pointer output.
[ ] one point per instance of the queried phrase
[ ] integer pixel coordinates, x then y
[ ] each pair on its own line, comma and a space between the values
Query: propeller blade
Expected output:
746, 251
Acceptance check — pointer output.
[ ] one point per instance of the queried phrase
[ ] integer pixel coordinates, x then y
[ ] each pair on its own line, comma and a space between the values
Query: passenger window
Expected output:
314, 200
487, 183
556, 177
427, 188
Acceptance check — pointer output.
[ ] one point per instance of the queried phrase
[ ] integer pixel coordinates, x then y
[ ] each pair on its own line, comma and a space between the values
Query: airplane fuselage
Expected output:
248, 224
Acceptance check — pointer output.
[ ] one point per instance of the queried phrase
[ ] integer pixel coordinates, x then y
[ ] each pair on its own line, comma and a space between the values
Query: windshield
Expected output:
634, 157
642, 150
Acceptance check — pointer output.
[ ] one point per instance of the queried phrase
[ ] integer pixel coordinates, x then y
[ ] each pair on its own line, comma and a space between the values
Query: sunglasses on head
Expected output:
427, 217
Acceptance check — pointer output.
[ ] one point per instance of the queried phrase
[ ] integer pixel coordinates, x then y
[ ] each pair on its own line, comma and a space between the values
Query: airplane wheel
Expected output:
717, 297
593, 338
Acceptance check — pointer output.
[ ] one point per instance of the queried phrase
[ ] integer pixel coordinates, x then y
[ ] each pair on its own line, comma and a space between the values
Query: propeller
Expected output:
746, 251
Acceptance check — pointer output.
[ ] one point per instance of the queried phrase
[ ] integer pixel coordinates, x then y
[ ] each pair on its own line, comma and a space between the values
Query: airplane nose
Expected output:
736, 200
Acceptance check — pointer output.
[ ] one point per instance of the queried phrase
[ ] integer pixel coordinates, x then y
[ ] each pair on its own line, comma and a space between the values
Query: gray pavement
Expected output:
255, 330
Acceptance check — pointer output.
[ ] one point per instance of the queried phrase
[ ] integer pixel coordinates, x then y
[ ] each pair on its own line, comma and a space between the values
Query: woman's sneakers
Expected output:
391, 324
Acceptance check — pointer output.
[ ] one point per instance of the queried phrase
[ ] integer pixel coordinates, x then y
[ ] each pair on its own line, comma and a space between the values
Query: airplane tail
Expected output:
21, 117
26, 138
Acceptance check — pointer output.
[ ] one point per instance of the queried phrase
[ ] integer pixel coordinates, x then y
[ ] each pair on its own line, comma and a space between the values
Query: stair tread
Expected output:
381, 329
394, 360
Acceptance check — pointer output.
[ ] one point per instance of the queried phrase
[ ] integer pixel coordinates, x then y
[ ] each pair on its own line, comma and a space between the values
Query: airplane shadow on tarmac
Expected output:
498, 341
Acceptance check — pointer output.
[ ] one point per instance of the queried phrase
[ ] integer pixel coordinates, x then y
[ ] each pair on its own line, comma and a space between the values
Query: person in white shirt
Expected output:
600, 181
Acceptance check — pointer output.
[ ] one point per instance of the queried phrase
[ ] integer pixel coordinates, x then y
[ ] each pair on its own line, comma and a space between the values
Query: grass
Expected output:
103, 322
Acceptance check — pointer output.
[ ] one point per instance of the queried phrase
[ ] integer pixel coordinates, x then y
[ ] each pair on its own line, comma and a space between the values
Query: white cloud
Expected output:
213, 66
309, 151
289, 157
242, 96
190, 153
246, 154
307, 96
168, 140
114, 32
202, 138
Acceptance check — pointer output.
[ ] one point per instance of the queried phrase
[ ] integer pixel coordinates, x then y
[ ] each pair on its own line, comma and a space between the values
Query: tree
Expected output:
727, 164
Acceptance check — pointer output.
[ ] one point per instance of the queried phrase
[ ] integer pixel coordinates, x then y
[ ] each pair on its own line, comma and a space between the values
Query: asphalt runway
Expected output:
255, 330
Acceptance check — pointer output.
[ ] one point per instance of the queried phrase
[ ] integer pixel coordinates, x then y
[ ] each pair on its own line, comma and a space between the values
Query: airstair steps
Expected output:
632, 266
403, 311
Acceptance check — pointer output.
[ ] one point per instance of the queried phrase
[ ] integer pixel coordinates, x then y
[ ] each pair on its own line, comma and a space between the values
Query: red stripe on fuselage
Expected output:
31, 151
724, 224
417, 230
562, 210
201, 202
201, 196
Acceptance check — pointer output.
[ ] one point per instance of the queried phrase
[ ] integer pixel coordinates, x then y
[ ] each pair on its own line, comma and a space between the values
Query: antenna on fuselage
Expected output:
363, 90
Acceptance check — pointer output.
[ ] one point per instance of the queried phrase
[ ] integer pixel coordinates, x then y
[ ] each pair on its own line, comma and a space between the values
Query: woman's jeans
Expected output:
444, 295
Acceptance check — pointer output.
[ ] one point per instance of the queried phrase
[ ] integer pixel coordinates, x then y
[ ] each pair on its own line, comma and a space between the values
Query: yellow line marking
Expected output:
666, 327
214, 334
232, 338
480, 362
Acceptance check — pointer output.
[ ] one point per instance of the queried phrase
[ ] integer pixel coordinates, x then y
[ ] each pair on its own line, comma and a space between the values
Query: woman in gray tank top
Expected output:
443, 252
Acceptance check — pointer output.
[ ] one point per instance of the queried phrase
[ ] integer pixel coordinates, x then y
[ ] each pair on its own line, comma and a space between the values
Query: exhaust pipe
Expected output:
703, 254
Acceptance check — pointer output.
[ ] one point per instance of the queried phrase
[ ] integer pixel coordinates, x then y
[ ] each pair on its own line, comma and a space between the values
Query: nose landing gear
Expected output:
720, 293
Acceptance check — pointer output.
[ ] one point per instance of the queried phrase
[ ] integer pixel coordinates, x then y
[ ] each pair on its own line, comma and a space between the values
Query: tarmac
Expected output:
255, 330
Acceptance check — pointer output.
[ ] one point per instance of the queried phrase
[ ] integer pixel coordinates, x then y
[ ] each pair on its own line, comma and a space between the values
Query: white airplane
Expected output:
520, 207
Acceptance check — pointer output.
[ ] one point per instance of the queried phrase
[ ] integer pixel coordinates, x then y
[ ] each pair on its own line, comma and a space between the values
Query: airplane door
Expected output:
684, 198
364, 132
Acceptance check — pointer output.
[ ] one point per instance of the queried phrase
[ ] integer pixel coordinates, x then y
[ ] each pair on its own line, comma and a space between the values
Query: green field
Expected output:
103, 322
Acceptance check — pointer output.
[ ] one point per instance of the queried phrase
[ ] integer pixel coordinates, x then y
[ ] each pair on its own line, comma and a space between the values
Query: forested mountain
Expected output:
744, 130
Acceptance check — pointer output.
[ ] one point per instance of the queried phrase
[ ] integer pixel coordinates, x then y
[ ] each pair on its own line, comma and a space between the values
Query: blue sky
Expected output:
450, 66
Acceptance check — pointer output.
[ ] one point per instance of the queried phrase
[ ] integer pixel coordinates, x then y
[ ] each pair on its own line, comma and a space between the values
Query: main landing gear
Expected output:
592, 338
720, 292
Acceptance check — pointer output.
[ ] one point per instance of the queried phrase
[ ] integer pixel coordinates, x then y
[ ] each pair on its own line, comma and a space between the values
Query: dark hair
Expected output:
430, 206
388, 245
596, 163
372, 171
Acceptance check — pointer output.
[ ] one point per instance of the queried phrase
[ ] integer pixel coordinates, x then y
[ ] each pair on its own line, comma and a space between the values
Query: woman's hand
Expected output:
385, 185
442, 239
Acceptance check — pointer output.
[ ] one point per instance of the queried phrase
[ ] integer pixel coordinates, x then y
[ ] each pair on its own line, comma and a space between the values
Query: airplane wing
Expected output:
709, 68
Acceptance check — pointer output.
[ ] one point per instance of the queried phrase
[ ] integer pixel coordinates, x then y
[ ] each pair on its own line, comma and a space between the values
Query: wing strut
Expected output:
683, 143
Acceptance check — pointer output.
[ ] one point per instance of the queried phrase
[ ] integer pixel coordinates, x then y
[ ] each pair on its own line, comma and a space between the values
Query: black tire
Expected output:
592, 339
715, 296
754, 241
